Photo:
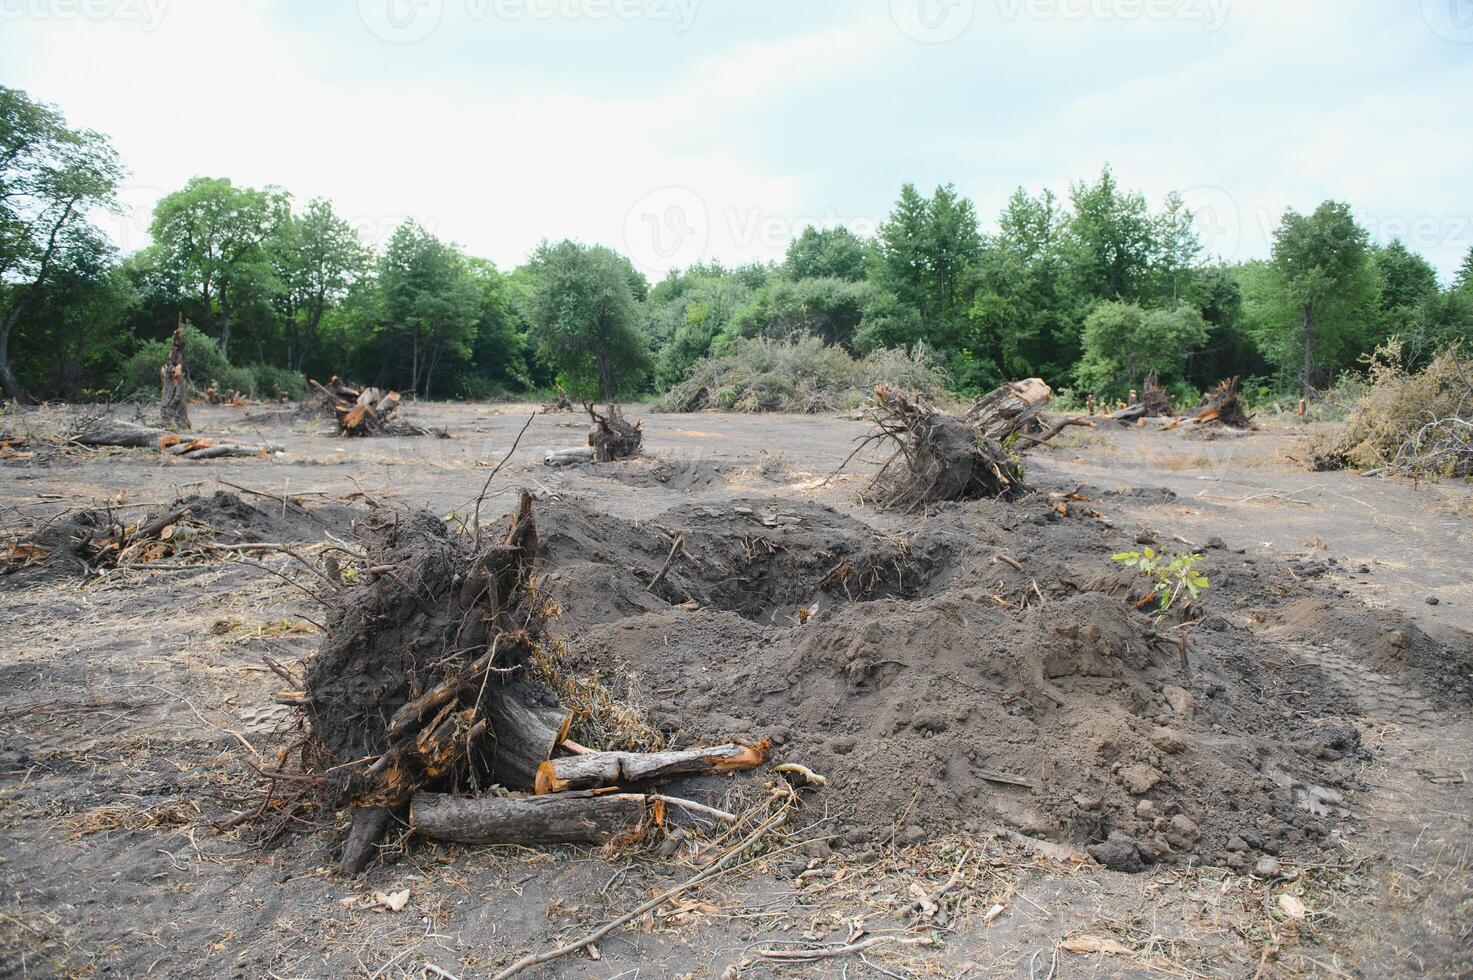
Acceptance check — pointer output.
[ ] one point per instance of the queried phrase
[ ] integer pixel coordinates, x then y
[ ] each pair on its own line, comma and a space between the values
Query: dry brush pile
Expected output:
1416, 424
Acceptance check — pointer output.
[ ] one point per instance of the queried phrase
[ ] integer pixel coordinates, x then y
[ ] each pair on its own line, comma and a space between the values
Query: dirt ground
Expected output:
974, 683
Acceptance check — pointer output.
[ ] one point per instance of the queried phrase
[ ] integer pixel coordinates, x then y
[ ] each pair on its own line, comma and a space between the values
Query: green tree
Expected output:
51, 178
826, 253
428, 303
1110, 244
924, 253
1463, 279
316, 256
1320, 304
1021, 321
1178, 249
499, 351
1124, 343
211, 236
584, 316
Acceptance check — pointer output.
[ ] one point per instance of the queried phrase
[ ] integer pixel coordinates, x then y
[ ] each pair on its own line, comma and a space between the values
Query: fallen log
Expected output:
598, 769
568, 457
219, 449
565, 818
129, 435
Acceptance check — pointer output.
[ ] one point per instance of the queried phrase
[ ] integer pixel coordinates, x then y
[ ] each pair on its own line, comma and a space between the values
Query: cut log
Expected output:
1005, 410
568, 457
217, 449
528, 723
564, 818
598, 769
174, 383
131, 435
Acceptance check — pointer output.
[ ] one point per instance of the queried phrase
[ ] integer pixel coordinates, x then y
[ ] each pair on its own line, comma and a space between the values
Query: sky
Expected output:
685, 130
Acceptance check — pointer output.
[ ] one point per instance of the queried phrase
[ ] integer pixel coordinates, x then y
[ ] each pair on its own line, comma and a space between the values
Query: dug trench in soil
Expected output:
999, 675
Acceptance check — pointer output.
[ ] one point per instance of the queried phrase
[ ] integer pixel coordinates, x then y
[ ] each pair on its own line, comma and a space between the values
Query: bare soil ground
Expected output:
974, 683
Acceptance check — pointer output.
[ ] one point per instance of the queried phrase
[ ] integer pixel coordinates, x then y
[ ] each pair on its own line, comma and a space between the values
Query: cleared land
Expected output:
973, 683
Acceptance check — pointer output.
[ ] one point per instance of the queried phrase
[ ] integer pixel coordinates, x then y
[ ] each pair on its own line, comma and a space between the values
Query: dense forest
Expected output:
1092, 291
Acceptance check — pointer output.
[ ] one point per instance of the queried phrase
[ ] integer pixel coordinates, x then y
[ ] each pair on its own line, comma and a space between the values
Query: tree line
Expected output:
1093, 291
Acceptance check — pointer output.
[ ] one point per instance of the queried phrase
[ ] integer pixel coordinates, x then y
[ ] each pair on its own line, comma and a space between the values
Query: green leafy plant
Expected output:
1173, 574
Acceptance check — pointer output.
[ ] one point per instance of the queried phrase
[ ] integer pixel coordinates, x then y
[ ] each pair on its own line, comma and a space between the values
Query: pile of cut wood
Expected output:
430, 701
1153, 402
364, 411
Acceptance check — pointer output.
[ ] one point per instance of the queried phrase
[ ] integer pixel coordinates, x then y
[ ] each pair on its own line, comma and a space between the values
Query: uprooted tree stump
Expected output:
939, 457
612, 436
1154, 402
1223, 404
562, 403
363, 411
174, 383
410, 688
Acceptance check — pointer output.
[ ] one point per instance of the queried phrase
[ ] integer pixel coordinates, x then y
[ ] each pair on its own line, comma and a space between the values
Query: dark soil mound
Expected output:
941, 688
81, 540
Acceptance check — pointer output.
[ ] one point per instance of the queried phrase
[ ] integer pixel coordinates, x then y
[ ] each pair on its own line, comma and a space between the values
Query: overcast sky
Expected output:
676, 130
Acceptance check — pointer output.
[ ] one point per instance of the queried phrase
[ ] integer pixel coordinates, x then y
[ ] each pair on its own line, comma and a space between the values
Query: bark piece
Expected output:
596, 769
565, 818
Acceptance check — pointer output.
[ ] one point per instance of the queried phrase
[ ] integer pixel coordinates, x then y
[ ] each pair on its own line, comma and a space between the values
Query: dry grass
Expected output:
1417, 424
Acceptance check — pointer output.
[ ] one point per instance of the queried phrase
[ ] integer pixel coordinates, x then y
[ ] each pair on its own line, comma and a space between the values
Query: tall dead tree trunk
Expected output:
174, 383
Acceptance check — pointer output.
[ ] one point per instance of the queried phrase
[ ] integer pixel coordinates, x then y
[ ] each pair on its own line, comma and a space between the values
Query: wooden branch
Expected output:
596, 769
675, 550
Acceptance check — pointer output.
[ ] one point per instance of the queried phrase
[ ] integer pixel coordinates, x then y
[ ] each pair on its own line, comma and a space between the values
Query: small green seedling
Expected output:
1173, 574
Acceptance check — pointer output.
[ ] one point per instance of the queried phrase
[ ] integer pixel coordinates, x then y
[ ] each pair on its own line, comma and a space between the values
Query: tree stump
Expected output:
175, 383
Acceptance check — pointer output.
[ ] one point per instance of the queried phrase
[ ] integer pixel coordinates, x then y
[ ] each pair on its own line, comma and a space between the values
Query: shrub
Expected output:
203, 363
801, 375
267, 379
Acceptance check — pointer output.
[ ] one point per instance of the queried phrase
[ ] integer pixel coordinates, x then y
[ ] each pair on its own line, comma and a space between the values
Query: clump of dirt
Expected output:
986, 671
765, 560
